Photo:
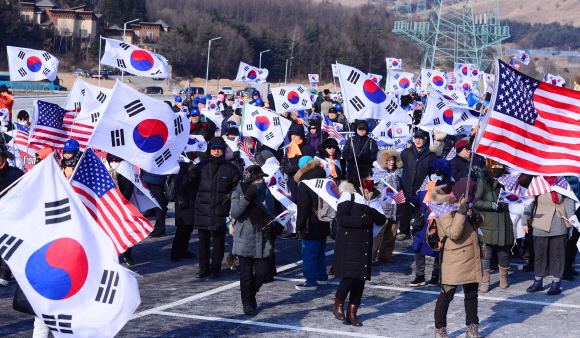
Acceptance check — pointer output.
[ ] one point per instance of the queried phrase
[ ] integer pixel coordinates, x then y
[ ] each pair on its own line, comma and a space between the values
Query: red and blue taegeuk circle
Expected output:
191, 141
448, 97
404, 83
373, 92
273, 181
448, 116
375, 80
554, 82
524, 57
512, 198
466, 86
252, 74
212, 105
464, 71
262, 123
34, 64
389, 191
474, 72
293, 97
390, 133
150, 135
141, 60
451, 87
395, 63
332, 189
58, 270
438, 81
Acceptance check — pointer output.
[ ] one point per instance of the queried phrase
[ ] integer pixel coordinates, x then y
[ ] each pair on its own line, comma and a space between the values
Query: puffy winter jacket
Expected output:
364, 147
415, 168
307, 223
497, 227
392, 211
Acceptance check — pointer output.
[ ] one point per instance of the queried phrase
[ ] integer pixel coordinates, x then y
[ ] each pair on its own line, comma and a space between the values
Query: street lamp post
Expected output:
260, 64
207, 70
286, 73
124, 29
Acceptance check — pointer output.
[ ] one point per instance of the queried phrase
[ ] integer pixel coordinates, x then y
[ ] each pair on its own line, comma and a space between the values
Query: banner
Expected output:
31, 65
135, 60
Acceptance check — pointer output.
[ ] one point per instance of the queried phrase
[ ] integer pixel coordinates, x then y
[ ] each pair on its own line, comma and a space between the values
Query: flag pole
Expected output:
100, 40
351, 141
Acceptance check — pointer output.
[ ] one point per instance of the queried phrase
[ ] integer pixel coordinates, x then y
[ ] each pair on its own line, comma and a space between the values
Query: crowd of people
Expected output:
451, 210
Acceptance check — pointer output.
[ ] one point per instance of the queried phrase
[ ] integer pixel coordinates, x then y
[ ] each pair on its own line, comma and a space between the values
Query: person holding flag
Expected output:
497, 228
330, 152
6, 100
296, 149
362, 147
384, 242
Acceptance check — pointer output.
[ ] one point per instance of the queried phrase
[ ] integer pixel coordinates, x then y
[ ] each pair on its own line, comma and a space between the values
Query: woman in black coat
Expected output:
361, 147
354, 241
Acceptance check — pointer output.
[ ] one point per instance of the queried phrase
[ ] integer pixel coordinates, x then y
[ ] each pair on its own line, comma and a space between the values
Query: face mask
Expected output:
497, 172
368, 184
114, 165
435, 177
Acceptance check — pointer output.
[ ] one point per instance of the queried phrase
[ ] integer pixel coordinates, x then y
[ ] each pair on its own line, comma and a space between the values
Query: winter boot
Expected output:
537, 286
473, 331
434, 279
441, 332
485, 281
351, 315
338, 309
503, 276
554, 289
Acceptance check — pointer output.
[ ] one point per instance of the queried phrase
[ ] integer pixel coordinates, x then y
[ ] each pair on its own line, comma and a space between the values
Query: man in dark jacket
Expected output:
460, 163
416, 161
312, 231
361, 146
214, 179
156, 184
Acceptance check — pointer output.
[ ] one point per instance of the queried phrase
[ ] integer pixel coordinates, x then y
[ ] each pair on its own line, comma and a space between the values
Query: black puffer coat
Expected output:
354, 241
8, 175
415, 168
365, 148
214, 180
184, 198
307, 223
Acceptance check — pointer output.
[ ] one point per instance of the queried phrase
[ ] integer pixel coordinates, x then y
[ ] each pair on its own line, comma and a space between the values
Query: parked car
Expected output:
336, 96
192, 90
228, 90
108, 70
246, 91
151, 90
96, 75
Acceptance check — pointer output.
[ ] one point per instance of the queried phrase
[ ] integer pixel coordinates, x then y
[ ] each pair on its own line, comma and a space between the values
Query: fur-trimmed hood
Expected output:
384, 155
439, 196
349, 188
311, 165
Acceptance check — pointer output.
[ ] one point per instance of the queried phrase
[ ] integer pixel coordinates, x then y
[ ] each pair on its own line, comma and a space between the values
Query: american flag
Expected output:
399, 197
48, 131
451, 155
243, 146
514, 65
450, 76
415, 106
118, 218
76, 131
510, 183
532, 126
424, 184
438, 209
329, 127
540, 186
21, 138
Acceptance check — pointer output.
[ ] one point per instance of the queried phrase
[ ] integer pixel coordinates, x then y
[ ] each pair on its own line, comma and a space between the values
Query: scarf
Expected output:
71, 162
315, 139
551, 181
264, 197
294, 149
331, 161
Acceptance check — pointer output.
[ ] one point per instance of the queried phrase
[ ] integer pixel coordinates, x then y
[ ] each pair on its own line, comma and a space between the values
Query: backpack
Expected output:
325, 212
432, 237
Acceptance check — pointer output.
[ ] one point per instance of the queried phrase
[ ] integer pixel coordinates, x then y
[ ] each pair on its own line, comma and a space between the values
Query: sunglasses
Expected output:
313, 128
435, 171
361, 129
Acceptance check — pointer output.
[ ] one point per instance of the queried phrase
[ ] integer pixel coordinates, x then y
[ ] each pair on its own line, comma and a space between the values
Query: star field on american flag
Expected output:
93, 174
441, 208
515, 95
510, 182
52, 115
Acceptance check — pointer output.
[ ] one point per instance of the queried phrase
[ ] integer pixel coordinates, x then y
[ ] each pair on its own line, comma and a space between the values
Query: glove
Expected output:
291, 169
574, 222
494, 205
366, 210
349, 158
409, 199
476, 218
227, 199
181, 203
205, 125
251, 192
193, 127
268, 228
367, 221
463, 208
192, 169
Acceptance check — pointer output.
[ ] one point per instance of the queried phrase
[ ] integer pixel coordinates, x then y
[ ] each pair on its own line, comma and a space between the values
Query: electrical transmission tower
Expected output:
453, 33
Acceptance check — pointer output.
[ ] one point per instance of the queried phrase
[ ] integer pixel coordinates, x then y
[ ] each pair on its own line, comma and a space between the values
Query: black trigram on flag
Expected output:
440, 105
254, 113
396, 77
77, 106
357, 103
124, 46
121, 63
21, 55
157, 72
282, 184
276, 121
45, 71
95, 117
285, 105
300, 89
57, 212
117, 138
83, 91
304, 102
22, 72
388, 124
436, 121
134, 108
391, 107
383, 134
46, 56
101, 97
464, 116
178, 125
108, 287
353, 77
319, 184
58, 323
459, 130
282, 92
269, 136
249, 127
8, 245
454, 96
246, 68
163, 157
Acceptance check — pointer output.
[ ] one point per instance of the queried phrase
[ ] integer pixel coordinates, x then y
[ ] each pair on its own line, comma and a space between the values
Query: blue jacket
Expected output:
155, 179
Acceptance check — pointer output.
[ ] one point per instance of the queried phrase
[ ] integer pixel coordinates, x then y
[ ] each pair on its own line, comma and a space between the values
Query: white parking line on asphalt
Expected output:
412, 254
269, 325
211, 292
495, 299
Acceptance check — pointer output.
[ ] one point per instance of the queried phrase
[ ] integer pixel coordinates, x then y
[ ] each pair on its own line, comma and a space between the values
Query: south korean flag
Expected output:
393, 134
31, 65
467, 71
135, 60
249, 74
450, 120
290, 98
433, 79
313, 78
266, 126
394, 63
513, 198
334, 70
363, 98
196, 143
400, 82
89, 101
375, 77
